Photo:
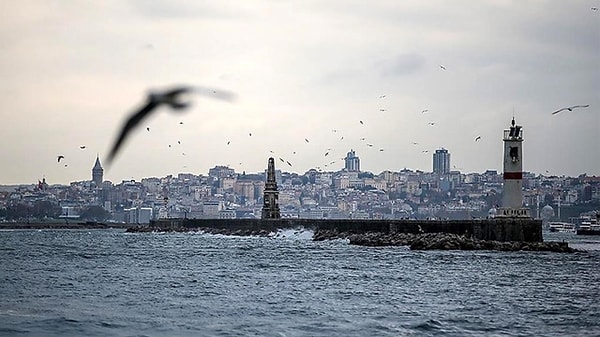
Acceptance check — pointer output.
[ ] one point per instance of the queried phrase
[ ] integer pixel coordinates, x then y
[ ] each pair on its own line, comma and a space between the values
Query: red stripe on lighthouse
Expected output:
513, 175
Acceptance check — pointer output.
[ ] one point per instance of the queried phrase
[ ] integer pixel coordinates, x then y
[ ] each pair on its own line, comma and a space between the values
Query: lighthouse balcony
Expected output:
513, 213
515, 133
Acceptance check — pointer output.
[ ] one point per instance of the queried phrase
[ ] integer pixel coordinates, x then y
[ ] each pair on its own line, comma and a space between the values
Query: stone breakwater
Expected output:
440, 241
419, 241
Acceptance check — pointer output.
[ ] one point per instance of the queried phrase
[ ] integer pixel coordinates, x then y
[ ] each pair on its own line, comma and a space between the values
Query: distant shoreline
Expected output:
63, 225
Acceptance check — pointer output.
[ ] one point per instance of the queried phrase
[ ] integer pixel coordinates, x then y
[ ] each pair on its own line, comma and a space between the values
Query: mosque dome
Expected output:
546, 212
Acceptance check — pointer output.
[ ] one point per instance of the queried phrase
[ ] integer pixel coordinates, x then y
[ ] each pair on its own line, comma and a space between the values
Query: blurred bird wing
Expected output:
131, 123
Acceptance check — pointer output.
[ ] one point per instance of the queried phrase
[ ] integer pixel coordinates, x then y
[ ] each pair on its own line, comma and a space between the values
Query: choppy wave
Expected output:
109, 283
293, 234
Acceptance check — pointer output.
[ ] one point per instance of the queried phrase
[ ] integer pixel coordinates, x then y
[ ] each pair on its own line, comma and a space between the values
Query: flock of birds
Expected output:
172, 99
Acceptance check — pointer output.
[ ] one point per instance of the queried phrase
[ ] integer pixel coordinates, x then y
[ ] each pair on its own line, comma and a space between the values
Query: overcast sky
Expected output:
72, 71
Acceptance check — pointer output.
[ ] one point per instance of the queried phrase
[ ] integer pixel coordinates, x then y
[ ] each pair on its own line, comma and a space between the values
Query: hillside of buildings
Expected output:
224, 193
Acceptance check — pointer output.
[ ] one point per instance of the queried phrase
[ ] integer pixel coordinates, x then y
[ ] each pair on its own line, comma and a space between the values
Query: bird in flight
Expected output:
443, 68
424, 111
58, 158
431, 123
82, 147
361, 122
477, 138
571, 108
170, 98
382, 96
306, 140
148, 129
382, 109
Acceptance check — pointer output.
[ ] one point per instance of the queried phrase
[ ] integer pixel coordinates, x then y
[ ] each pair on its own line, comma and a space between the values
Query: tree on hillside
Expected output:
95, 213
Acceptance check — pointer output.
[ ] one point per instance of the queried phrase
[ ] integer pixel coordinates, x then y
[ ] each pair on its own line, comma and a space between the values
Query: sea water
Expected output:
112, 283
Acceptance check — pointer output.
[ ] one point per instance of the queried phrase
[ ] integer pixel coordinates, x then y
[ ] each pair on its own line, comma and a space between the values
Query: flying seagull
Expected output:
477, 138
82, 147
424, 111
58, 158
571, 108
443, 68
170, 98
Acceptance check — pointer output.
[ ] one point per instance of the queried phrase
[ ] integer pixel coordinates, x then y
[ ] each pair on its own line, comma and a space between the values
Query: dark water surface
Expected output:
111, 283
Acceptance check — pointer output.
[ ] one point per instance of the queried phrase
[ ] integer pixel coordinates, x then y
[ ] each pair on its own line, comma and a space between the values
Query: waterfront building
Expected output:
138, 215
352, 162
441, 161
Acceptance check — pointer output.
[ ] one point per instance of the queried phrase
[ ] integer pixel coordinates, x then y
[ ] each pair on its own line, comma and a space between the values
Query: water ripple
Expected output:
111, 283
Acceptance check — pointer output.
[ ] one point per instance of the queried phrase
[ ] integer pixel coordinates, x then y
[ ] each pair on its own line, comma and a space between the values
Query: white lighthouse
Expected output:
512, 195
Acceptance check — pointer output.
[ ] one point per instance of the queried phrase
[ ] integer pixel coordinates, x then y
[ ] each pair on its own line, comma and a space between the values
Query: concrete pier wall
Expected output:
497, 229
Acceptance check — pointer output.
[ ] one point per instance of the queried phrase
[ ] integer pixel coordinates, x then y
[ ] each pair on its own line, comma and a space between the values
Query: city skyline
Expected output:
96, 172
392, 81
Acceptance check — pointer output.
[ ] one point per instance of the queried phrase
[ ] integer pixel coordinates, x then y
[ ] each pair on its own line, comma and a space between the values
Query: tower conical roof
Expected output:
97, 165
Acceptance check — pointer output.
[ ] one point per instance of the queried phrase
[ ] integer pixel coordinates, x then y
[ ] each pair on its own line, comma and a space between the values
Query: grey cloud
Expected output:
179, 9
401, 65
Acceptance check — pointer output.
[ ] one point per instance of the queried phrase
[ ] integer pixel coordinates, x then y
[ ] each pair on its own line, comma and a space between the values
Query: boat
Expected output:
562, 227
589, 226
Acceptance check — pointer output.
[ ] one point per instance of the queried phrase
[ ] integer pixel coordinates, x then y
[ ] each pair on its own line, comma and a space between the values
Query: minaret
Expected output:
512, 195
97, 172
270, 208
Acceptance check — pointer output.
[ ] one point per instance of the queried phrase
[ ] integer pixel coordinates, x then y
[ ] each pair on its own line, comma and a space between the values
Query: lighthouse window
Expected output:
514, 153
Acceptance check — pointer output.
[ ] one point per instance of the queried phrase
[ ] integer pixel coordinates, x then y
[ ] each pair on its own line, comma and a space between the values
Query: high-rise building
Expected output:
97, 173
441, 161
352, 162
